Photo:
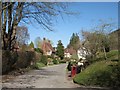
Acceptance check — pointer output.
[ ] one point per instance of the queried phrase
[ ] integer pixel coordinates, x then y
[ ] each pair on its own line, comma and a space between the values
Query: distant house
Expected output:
68, 52
47, 48
82, 52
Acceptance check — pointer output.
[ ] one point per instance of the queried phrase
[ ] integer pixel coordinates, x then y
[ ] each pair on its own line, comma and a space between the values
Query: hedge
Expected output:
16, 60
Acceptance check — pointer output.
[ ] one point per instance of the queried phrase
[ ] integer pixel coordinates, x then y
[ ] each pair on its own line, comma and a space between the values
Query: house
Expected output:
82, 52
68, 52
47, 48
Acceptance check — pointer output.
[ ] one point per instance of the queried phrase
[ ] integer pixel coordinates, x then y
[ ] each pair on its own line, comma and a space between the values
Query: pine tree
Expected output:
74, 42
60, 50
31, 45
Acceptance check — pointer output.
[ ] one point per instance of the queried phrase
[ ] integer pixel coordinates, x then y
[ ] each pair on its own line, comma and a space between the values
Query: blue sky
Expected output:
90, 13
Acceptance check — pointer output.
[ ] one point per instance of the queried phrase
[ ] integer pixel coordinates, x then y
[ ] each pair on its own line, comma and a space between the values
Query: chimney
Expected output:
44, 39
49, 41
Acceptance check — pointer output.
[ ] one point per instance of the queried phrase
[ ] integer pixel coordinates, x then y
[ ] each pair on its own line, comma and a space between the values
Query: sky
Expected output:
90, 13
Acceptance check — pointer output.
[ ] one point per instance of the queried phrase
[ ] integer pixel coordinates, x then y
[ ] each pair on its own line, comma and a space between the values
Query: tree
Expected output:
15, 12
60, 50
24, 47
74, 42
0, 27
38, 42
22, 35
93, 42
98, 40
114, 40
31, 45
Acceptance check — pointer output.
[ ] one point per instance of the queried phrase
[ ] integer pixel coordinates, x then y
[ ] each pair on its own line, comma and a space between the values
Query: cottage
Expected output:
82, 52
68, 52
47, 48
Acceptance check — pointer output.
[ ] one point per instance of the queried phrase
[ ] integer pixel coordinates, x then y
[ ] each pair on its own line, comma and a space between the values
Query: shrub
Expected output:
66, 59
24, 59
62, 61
74, 56
38, 65
95, 74
69, 66
37, 56
39, 50
16, 60
43, 59
8, 60
110, 55
55, 61
50, 56
50, 61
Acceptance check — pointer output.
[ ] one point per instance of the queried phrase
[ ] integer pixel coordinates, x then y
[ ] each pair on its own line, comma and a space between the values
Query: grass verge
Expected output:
101, 73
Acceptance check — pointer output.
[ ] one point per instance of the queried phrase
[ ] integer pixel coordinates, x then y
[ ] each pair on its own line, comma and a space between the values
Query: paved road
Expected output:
48, 77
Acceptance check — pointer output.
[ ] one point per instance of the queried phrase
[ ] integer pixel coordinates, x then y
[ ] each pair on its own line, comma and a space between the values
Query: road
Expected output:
47, 77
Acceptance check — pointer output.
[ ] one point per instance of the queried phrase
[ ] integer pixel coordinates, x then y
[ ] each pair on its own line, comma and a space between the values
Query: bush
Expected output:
37, 56
24, 59
62, 61
55, 61
8, 60
66, 59
97, 75
91, 74
69, 66
43, 59
39, 50
110, 55
16, 60
74, 56
38, 65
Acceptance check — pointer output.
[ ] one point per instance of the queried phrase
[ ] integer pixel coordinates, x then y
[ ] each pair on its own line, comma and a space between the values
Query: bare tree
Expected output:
99, 39
14, 12
22, 35
0, 27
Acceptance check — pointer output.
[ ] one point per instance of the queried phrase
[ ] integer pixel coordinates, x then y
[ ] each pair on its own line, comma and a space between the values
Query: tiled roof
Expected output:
70, 50
46, 46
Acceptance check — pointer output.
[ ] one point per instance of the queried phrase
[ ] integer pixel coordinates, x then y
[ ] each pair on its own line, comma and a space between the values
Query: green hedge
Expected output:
55, 61
43, 59
39, 50
62, 61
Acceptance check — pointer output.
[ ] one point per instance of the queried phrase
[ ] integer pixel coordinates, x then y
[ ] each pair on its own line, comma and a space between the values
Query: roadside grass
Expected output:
38, 65
101, 73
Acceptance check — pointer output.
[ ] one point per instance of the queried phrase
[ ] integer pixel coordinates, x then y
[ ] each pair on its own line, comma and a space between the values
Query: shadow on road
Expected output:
42, 72
80, 88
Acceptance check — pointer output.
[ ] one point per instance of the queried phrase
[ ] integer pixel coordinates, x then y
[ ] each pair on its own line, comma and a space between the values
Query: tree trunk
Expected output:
104, 52
4, 34
9, 37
